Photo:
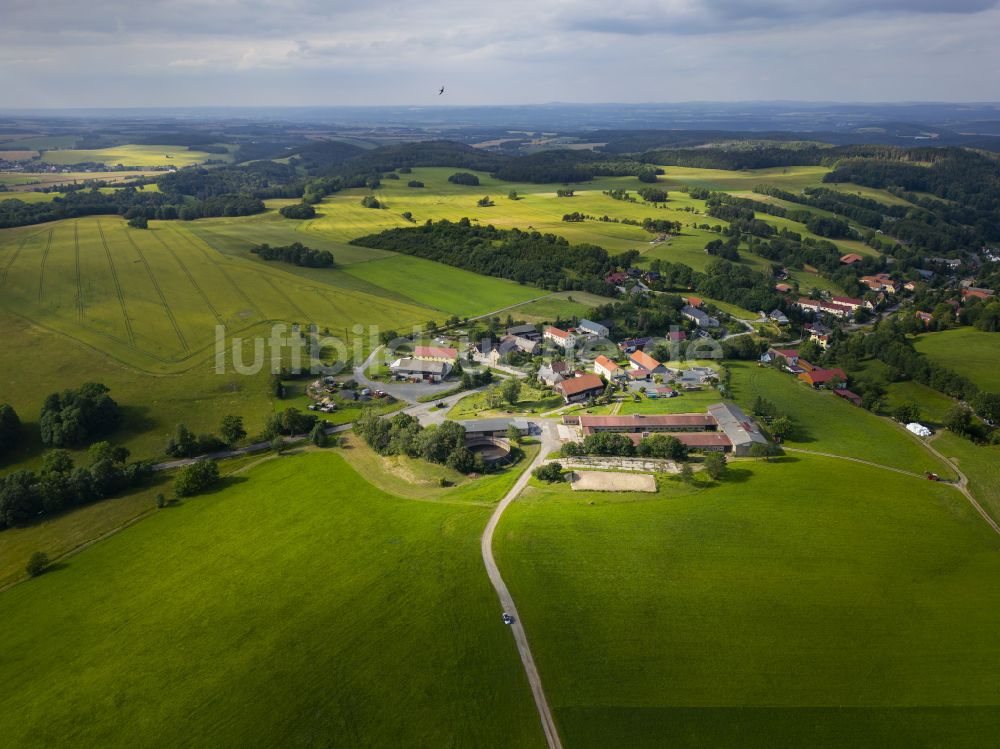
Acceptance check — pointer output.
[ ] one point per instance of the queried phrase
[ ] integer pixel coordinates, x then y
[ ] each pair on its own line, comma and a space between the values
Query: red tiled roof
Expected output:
581, 384
820, 376
556, 332
851, 257
644, 421
603, 361
644, 360
435, 352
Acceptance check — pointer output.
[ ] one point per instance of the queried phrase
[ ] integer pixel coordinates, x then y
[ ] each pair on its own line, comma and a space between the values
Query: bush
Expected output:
550, 472
298, 211
463, 178
370, 201
715, 465
37, 563
414, 183
139, 222
196, 478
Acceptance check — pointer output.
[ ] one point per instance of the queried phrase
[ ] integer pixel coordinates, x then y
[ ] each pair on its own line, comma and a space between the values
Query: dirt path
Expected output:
549, 442
963, 486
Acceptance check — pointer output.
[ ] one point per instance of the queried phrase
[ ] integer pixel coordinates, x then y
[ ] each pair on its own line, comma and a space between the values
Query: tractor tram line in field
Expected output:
235, 286
190, 277
159, 293
79, 278
41, 269
117, 285
13, 258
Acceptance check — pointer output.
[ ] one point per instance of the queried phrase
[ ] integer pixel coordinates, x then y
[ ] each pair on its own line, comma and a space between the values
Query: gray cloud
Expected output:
113, 52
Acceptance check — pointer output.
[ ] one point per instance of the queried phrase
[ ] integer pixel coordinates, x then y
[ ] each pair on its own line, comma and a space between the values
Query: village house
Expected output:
607, 369
517, 343
847, 301
851, 258
818, 377
783, 288
616, 279
812, 305
435, 353
559, 337
632, 344
692, 301
818, 333
789, 355
577, 389
548, 376
925, 317
698, 317
641, 361
778, 317
880, 282
974, 292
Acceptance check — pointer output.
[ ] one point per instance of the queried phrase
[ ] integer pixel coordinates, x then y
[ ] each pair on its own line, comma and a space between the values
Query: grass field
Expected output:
132, 155
532, 400
563, 305
299, 606
795, 604
967, 351
979, 463
825, 423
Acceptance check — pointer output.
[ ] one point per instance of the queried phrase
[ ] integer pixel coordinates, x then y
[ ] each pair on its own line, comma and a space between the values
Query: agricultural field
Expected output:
794, 604
338, 615
152, 298
979, 463
967, 351
26, 181
825, 423
564, 305
132, 155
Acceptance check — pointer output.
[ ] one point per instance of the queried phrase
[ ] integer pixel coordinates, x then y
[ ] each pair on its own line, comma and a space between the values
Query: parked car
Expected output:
507, 618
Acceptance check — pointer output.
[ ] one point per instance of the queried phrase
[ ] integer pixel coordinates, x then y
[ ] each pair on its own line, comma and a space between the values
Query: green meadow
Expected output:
967, 351
296, 606
825, 423
794, 604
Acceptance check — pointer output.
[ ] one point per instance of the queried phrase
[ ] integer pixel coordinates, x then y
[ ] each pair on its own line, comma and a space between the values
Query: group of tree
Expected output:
185, 444
370, 201
620, 445
76, 416
402, 434
295, 254
464, 178
60, 484
545, 260
298, 211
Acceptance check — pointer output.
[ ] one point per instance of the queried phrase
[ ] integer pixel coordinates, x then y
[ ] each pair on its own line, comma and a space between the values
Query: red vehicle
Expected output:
933, 477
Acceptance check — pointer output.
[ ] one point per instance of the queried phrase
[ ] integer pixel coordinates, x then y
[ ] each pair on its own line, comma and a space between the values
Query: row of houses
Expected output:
804, 370
838, 306
724, 428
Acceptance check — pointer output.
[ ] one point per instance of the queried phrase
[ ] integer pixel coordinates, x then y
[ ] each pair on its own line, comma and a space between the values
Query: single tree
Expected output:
232, 430
37, 563
715, 465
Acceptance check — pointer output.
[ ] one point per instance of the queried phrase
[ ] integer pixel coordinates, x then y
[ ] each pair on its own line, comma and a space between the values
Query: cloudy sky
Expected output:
66, 53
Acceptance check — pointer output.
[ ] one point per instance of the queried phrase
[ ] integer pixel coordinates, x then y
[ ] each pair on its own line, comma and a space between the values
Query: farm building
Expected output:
648, 423
524, 331
850, 396
421, 369
741, 430
435, 353
478, 428
591, 328
580, 388
851, 258
790, 355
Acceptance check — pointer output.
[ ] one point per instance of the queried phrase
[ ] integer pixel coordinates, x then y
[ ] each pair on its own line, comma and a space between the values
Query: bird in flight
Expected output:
441, 91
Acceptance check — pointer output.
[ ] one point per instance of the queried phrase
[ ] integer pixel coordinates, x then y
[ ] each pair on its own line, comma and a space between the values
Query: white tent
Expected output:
919, 429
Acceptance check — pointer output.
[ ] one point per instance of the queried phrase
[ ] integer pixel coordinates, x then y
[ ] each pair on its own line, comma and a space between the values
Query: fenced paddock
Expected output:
609, 481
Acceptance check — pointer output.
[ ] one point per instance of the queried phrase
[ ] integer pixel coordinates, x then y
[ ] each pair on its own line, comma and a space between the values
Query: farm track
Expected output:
41, 270
191, 278
159, 293
118, 286
79, 280
236, 287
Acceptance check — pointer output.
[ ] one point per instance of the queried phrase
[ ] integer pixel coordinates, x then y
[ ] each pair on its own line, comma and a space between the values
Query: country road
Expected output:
548, 443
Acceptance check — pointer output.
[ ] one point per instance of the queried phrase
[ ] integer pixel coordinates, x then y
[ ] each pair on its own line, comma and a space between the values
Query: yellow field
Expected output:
132, 155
